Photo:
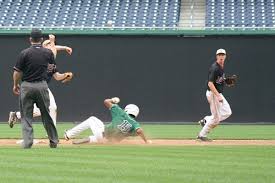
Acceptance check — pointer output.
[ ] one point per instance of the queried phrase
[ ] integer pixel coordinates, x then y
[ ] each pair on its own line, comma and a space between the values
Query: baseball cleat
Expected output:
12, 119
202, 122
203, 139
66, 136
82, 141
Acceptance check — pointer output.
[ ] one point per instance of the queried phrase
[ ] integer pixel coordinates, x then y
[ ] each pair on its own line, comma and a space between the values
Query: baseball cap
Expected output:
220, 51
36, 33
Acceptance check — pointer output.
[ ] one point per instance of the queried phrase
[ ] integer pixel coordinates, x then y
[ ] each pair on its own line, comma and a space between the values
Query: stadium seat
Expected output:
89, 13
239, 13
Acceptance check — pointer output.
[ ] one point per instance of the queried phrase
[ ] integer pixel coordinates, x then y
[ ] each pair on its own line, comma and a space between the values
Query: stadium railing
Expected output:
192, 31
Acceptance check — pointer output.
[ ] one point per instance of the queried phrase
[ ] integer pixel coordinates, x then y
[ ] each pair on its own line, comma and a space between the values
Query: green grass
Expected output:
143, 164
140, 164
164, 131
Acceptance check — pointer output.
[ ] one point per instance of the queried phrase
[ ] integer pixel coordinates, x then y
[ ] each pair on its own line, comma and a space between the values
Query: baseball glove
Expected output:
231, 80
69, 76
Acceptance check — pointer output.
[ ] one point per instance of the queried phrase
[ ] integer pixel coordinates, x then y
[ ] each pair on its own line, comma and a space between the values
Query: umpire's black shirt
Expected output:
35, 63
216, 75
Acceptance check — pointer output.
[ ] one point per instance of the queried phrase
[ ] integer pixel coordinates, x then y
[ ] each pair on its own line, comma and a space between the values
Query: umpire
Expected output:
32, 68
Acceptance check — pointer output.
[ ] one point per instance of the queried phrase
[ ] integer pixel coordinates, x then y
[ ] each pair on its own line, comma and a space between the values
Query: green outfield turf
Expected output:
143, 164
165, 131
140, 164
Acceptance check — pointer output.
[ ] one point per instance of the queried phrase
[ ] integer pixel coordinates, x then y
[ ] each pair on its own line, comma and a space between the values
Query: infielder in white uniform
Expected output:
219, 107
50, 44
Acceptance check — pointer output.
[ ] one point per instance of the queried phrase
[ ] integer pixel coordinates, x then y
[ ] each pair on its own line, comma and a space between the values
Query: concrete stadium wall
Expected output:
164, 75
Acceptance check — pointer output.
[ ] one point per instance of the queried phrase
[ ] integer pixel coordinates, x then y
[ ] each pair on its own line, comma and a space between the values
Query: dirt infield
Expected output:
155, 142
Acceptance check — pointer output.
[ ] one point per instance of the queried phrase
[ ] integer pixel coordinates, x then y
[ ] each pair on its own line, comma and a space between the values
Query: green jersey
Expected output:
122, 124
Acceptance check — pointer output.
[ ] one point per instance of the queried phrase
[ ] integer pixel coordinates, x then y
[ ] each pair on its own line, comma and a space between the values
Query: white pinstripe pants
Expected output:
219, 112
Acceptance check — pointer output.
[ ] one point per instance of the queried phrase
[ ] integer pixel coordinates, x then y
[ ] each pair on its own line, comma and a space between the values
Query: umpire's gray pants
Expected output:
30, 93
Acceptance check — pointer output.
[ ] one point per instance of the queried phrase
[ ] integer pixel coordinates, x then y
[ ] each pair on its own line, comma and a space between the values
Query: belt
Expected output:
35, 81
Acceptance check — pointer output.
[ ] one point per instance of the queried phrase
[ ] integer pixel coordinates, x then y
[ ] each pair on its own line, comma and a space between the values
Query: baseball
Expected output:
109, 23
149, 142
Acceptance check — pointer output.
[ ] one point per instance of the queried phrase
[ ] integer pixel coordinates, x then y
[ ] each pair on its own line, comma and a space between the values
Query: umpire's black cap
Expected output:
36, 33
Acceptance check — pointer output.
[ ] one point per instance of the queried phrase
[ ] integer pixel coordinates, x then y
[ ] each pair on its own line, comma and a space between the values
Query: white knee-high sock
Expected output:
211, 121
18, 115
53, 114
205, 130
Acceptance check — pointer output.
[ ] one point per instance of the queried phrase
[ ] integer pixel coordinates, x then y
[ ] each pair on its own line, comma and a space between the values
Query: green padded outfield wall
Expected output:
164, 75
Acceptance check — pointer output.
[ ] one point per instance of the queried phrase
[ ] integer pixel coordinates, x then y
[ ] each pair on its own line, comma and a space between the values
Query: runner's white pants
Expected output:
95, 124
219, 112
52, 108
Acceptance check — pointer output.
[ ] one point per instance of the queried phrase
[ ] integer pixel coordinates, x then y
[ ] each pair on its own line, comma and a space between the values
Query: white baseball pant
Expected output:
52, 108
95, 124
219, 112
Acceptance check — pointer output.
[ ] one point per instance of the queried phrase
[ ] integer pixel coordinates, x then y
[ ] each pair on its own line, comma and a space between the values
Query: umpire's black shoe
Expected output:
203, 139
52, 145
202, 122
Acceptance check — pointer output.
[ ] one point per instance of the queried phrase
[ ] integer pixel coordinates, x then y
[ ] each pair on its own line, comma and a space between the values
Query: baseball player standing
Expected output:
15, 116
32, 69
219, 107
